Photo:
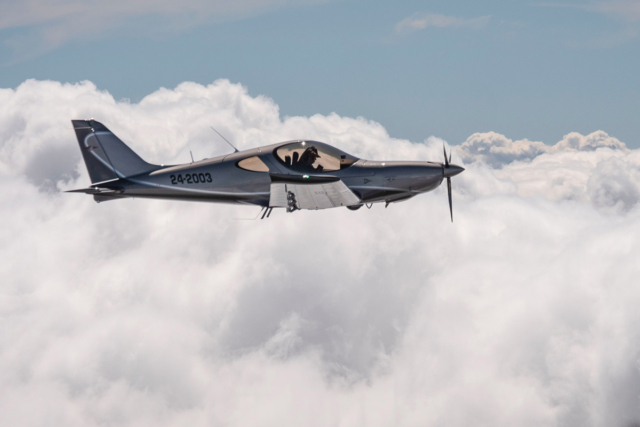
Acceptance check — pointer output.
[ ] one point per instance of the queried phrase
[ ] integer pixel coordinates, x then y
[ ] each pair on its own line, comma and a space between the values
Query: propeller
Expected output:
446, 162
449, 170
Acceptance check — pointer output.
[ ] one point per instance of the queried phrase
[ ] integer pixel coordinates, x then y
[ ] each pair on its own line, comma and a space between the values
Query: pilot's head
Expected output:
313, 151
309, 156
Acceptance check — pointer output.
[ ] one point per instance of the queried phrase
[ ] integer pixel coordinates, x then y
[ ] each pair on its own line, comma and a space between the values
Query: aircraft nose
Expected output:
452, 170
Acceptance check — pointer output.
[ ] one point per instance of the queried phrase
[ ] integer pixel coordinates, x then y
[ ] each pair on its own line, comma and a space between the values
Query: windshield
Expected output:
312, 156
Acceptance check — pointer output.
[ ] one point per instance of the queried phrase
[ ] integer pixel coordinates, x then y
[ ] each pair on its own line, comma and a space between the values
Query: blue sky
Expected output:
524, 69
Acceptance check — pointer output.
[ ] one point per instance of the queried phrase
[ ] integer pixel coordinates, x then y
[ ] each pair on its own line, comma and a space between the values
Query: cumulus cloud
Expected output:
135, 312
496, 149
421, 21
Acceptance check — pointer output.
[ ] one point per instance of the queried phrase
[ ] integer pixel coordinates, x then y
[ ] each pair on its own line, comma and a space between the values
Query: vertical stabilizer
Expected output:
105, 155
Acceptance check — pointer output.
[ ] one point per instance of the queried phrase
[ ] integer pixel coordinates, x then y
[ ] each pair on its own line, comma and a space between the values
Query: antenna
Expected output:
188, 145
234, 148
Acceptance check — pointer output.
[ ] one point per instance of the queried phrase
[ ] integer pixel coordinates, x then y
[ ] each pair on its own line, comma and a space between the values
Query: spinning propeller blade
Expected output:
444, 150
450, 202
449, 170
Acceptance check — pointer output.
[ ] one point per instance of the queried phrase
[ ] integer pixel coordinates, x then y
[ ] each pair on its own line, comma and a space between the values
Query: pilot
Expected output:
308, 157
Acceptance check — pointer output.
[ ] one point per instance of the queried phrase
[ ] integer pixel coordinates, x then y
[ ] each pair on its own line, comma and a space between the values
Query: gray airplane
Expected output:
292, 175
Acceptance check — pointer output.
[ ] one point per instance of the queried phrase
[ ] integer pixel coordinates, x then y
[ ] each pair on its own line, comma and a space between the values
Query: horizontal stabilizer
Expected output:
113, 186
94, 190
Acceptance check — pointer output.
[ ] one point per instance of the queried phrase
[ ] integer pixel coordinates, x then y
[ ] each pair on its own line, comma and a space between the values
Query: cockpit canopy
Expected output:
313, 157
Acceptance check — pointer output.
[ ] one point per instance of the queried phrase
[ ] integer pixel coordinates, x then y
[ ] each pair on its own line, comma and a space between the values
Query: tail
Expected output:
105, 155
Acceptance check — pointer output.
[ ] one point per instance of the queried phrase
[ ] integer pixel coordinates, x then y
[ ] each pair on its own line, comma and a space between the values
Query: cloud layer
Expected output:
523, 312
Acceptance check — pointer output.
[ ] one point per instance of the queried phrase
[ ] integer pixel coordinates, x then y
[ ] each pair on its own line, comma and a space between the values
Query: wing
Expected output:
310, 192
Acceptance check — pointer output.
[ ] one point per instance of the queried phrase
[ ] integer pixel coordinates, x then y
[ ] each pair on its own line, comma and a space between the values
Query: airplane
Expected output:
292, 175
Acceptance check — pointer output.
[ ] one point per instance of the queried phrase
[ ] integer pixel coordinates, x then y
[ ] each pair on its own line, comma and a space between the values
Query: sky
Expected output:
139, 312
526, 69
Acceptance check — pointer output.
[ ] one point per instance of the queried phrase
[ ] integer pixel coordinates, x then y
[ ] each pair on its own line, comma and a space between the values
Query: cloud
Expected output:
421, 21
134, 312
496, 149
45, 25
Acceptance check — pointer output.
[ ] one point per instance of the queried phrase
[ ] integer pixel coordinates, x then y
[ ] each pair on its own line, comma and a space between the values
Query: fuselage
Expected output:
245, 177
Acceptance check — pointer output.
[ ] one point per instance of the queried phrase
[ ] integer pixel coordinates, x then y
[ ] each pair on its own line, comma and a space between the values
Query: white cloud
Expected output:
421, 21
497, 150
133, 312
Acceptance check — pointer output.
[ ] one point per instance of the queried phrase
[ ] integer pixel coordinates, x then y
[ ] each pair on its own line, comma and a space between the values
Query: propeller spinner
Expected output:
449, 170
